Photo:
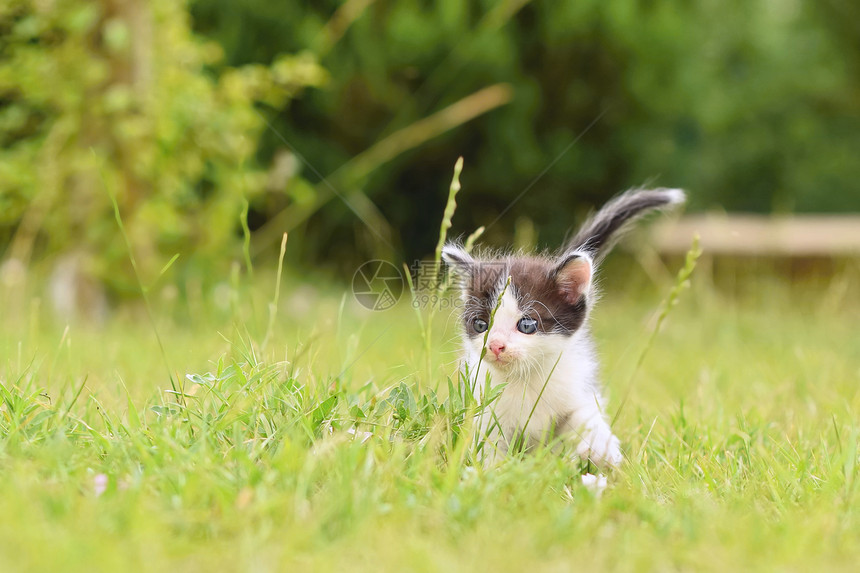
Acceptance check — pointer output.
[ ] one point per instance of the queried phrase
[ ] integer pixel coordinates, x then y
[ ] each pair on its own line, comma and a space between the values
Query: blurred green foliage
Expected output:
751, 105
119, 98
183, 110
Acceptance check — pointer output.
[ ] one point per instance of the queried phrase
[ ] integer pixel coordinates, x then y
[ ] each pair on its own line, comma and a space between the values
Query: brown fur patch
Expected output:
533, 283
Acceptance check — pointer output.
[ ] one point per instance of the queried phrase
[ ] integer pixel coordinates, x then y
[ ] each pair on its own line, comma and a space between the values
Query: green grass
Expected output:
740, 434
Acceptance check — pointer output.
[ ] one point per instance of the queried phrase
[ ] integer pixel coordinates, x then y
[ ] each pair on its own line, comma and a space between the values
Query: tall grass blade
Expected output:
143, 290
273, 306
682, 281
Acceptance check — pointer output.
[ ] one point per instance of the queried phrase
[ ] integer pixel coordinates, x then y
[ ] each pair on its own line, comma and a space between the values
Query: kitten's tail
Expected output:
601, 230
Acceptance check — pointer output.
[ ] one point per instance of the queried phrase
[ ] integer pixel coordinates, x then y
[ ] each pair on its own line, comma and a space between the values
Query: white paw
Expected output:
601, 447
594, 483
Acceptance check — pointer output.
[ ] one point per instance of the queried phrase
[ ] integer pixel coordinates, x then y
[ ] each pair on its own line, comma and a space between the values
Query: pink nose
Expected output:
497, 348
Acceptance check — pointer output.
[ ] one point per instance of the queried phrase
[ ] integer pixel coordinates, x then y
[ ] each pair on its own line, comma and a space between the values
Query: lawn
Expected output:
334, 442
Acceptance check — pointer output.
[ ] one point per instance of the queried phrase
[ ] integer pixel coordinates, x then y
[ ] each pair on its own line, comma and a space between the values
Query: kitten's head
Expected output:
544, 305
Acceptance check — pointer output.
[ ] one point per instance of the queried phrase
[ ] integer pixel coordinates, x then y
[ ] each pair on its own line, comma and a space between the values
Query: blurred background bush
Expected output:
340, 122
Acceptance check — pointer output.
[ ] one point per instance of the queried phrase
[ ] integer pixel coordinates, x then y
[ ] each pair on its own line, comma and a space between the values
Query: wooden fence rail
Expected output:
785, 236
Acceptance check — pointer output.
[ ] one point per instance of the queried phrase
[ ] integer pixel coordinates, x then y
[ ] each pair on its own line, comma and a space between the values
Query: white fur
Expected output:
550, 379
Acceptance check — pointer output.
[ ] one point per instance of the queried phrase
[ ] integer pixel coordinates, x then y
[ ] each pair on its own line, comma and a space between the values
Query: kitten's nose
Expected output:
497, 348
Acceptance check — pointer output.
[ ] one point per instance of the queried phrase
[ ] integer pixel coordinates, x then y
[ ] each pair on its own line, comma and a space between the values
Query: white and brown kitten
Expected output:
537, 338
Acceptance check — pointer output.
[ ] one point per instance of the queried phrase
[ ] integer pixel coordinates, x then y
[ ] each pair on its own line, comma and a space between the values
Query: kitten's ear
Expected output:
458, 258
462, 264
573, 276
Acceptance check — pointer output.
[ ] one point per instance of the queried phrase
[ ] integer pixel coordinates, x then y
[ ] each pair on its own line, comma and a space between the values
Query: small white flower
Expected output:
100, 483
363, 435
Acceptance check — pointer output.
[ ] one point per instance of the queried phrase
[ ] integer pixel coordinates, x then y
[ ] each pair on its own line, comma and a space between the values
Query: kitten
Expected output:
537, 342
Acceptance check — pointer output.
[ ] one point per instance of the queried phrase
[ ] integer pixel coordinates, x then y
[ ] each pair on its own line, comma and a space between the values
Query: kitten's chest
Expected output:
521, 410
539, 405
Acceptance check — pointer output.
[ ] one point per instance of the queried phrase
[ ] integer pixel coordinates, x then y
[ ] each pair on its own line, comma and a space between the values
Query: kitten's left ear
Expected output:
573, 276
461, 263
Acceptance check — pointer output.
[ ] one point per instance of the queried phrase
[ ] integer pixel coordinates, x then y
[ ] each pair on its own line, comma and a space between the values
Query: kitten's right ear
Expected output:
573, 276
458, 259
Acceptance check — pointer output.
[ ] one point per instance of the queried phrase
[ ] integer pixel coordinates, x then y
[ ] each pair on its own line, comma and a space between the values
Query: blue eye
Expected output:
480, 325
527, 325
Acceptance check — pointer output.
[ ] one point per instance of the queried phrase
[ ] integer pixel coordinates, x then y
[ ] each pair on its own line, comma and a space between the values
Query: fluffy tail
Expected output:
600, 231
